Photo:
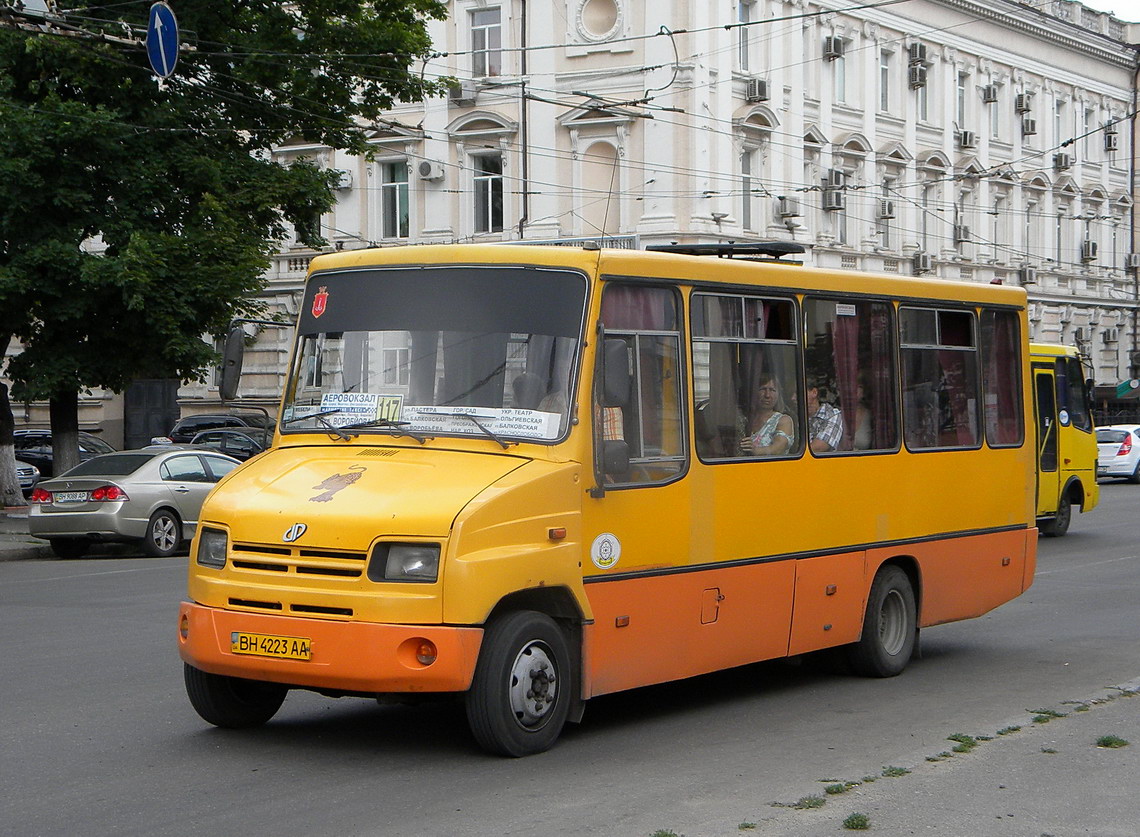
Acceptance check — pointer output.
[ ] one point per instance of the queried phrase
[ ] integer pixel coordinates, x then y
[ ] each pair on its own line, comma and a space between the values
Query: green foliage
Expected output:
137, 217
1111, 741
810, 802
895, 771
965, 742
857, 822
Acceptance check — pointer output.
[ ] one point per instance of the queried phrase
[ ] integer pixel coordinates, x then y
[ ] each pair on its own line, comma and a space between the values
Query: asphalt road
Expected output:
98, 738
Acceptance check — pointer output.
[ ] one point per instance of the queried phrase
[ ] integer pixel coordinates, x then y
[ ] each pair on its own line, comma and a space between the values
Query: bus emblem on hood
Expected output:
331, 485
320, 301
293, 532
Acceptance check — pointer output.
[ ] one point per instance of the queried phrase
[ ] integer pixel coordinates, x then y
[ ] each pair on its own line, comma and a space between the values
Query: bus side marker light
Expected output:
184, 626
831, 589
621, 622
557, 533
1005, 562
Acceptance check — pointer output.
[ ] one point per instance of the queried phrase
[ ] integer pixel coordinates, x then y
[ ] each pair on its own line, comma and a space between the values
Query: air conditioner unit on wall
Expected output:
788, 208
886, 209
922, 263
1023, 102
916, 76
989, 93
463, 93
967, 139
1028, 126
961, 233
1080, 334
1088, 251
1027, 275
1062, 161
833, 200
344, 180
832, 47
1110, 141
430, 170
834, 179
1132, 261
1110, 335
916, 54
757, 90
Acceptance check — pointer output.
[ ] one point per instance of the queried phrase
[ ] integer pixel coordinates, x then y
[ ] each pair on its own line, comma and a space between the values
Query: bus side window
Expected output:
940, 378
651, 423
850, 352
741, 343
1072, 394
1001, 378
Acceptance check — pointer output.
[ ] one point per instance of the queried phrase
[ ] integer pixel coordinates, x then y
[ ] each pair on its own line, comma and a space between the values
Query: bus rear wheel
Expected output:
889, 626
1058, 525
231, 702
520, 694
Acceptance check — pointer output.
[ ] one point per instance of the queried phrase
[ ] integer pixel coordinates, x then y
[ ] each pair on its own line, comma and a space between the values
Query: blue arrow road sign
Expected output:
162, 40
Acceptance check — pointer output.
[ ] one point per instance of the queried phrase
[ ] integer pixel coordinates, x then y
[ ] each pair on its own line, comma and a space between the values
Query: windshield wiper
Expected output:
333, 430
396, 427
489, 433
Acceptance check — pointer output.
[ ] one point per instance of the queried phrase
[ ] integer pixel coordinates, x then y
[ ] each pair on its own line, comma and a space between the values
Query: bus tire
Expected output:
889, 626
523, 685
230, 702
1058, 524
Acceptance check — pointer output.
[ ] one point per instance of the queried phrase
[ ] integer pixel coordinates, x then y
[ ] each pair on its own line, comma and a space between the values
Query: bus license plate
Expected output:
268, 645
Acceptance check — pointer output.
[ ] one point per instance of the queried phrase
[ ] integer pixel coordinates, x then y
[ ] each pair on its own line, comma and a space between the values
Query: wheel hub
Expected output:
534, 685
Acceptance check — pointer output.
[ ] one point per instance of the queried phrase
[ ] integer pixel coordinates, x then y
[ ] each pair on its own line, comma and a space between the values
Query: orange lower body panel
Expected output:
348, 656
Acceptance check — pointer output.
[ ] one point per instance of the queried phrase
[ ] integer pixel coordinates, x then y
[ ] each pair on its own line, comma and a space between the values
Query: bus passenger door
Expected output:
1048, 476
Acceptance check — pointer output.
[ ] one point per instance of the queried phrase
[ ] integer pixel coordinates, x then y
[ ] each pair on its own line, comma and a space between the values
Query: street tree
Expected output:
137, 216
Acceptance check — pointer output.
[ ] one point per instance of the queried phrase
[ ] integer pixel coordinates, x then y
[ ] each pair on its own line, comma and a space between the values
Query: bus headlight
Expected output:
405, 562
212, 547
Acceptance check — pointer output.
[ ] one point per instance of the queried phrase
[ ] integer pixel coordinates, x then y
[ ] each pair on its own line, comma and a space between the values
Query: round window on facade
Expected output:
598, 20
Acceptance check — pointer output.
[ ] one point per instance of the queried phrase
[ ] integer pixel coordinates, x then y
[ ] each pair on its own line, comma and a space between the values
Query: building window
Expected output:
746, 220
922, 96
744, 17
995, 117
488, 193
394, 200
963, 83
884, 81
1058, 122
1059, 235
884, 219
486, 42
1086, 131
840, 69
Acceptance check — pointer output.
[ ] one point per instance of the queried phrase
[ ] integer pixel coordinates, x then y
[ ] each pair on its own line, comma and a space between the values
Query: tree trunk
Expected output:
64, 408
10, 493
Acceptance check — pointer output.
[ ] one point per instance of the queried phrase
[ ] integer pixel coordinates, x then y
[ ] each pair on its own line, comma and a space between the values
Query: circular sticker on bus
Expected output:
605, 551
1063, 417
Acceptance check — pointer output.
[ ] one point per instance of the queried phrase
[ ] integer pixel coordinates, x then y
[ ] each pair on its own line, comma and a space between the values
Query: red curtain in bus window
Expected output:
957, 424
625, 307
1003, 382
845, 357
882, 378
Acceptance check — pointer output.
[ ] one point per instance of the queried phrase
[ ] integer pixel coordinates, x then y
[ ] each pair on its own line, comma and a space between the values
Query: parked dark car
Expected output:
240, 444
186, 428
35, 448
28, 475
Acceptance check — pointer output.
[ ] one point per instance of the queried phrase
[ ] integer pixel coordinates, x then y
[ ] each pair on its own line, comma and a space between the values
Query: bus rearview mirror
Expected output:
232, 356
616, 373
615, 456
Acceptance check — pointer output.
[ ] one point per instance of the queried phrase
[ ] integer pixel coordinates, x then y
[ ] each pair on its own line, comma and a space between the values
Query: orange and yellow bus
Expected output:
531, 476
1066, 439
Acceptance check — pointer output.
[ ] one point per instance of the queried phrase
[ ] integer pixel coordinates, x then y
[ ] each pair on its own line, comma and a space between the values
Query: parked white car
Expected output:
1119, 451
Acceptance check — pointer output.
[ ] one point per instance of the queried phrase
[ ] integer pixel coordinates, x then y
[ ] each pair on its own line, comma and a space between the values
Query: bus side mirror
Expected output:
232, 357
616, 374
615, 457
1090, 401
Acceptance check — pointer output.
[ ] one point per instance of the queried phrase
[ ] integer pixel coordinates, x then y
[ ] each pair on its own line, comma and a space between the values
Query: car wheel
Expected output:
163, 534
889, 626
68, 548
521, 692
230, 702
1134, 477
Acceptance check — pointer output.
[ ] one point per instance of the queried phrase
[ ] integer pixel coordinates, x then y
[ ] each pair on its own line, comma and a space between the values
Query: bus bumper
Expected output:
345, 656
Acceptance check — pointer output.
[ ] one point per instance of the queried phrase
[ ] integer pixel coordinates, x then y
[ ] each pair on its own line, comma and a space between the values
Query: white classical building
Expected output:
984, 140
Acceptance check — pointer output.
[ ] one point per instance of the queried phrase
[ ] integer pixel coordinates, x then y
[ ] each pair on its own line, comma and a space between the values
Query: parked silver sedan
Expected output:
152, 496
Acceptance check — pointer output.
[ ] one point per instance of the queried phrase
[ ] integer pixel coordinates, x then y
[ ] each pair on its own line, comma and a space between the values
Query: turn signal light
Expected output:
426, 653
41, 496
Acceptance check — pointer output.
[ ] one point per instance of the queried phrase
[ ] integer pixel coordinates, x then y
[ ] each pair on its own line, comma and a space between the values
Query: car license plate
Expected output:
269, 645
70, 496
1102, 469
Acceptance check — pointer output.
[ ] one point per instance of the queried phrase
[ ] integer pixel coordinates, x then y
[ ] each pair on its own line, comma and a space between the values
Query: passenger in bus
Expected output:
770, 432
825, 422
862, 438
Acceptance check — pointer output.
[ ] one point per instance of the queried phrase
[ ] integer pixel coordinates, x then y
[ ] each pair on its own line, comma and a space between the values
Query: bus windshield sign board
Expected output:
162, 40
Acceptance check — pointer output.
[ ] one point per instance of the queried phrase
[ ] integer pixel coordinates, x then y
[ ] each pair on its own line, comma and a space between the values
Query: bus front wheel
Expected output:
520, 694
231, 702
1058, 525
889, 626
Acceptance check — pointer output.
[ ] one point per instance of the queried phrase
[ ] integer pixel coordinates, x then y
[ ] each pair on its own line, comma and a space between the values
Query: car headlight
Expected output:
417, 562
212, 547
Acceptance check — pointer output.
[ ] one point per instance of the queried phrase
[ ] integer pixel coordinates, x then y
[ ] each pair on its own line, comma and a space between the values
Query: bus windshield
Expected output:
472, 351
